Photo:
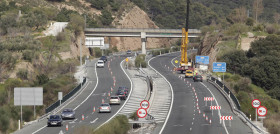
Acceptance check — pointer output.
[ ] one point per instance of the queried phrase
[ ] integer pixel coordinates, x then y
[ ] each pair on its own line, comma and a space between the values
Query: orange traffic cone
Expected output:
93, 109
66, 127
83, 117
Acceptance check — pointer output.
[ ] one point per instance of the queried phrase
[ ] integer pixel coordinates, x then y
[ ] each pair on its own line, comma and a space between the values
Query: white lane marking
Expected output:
92, 90
94, 121
39, 129
73, 121
192, 123
217, 104
131, 89
172, 99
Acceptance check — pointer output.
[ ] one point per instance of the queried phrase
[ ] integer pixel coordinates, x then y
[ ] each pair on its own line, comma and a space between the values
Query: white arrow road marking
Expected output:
94, 121
60, 132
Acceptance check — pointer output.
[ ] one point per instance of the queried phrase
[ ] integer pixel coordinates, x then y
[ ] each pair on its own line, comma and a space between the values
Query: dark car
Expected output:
68, 114
128, 52
124, 89
121, 94
197, 78
55, 120
104, 58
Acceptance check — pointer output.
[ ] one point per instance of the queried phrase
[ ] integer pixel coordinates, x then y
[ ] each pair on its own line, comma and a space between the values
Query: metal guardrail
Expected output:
236, 109
65, 97
139, 30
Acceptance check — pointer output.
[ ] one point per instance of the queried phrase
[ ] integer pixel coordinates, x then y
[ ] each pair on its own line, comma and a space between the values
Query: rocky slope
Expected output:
136, 18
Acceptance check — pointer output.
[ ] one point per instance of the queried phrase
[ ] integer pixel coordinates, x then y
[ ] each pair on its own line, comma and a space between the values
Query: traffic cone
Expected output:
66, 127
109, 94
206, 118
203, 115
210, 121
93, 109
199, 111
114, 84
111, 89
83, 117
102, 101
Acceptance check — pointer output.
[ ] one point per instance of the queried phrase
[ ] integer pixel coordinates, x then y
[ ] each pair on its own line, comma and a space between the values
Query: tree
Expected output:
106, 17
239, 15
8, 20
36, 18
235, 60
276, 17
257, 9
99, 4
77, 23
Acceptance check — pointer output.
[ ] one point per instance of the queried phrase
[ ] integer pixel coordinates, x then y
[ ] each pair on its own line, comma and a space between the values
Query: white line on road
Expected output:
94, 121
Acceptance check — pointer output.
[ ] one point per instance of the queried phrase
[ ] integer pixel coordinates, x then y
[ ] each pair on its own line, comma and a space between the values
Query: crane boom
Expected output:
184, 43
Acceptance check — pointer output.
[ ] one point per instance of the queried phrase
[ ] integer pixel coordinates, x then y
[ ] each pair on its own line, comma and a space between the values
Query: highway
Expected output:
184, 116
97, 89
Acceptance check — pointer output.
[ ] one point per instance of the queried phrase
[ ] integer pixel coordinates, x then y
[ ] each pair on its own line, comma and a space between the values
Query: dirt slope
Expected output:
136, 18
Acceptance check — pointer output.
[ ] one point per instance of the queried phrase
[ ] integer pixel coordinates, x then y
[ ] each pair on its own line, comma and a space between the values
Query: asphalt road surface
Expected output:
185, 116
85, 107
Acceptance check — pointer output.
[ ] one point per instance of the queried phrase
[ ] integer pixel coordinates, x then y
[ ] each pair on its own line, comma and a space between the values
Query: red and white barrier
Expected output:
208, 98
226, 117
215, 107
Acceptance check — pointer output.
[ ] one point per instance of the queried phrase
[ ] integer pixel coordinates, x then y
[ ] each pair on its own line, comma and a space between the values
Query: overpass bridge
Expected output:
143, 33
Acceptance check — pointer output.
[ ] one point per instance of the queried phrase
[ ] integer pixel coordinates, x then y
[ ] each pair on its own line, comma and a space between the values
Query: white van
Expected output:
100, 63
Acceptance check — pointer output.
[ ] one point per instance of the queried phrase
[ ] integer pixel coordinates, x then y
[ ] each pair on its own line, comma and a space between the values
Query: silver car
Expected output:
68, 114
105, 107
115, 100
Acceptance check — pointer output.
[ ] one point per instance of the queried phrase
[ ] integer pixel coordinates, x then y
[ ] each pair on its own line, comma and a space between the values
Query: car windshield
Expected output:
114, 97
54, 117
67, 110
100, 62
120, 92
103, 57
105, 104
189, 72
198, 76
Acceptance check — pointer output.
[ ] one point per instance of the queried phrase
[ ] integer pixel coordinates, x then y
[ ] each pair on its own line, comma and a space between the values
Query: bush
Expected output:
97, 52
140, 60
106, 17
28, 55
76, 24
42, 79
118, 125
22, 74
258, 28
133, 116
4, 120
115, 49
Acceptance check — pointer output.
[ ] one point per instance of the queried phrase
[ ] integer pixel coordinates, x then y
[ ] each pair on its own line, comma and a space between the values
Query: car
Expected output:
189, 74
115, 100
68, 114
121, 94
104, 58
100, 63
128, 52
105, 107
54, 120
125, 89
197, 78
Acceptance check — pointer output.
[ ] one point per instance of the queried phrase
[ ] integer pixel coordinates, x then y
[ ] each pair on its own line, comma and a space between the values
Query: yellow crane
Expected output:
184, 64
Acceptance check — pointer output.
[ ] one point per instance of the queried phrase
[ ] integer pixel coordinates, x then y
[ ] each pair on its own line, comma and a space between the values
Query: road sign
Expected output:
226, 117
141, 113
176, 61
256, 103
208, 99
145, 104
202, 59
215, 107
126, 59
219, 67
59, 95
262, 111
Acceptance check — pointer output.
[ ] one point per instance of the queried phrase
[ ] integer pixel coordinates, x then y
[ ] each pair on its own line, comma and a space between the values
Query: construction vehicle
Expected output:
184, 64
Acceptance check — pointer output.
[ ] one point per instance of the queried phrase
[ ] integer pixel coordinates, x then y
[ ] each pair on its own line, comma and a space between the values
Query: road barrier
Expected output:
65, 98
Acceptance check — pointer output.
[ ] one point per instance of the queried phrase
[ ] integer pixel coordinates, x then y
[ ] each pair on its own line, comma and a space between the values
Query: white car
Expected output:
115, 100
100, 63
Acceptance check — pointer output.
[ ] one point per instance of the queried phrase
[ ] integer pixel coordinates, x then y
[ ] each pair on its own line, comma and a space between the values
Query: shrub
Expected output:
4, 121
115, 49
106, 17
118, 125
42, 79
22, 74
28, 55
97, 52
133, 116
140, 60
76, 24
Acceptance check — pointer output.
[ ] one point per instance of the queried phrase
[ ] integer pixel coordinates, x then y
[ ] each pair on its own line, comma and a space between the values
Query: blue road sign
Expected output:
219, 67
202, 59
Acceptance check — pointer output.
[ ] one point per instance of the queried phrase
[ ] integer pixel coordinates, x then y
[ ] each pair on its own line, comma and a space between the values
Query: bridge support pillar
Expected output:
143, 41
